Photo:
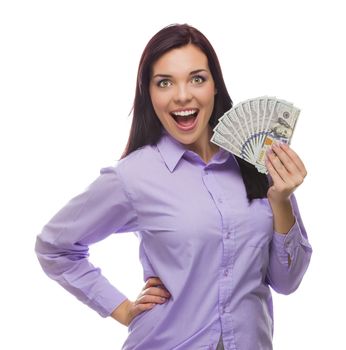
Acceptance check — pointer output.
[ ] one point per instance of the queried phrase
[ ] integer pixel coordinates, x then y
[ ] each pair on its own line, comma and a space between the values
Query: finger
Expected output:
145, 307
276, 178
279, 167
152, 287
288, 171
153, 281
139, 308
285, 159
295, 158
150, 298
155, 291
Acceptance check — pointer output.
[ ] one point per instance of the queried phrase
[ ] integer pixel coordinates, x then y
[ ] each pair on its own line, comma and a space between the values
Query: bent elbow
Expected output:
55, 259
282, 285
285, 289
44, 255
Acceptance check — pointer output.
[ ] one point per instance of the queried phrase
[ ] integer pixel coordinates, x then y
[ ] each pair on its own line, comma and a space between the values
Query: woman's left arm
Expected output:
290, 251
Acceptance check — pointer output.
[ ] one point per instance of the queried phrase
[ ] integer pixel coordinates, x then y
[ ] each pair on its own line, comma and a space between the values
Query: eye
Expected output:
198, 79
163, 83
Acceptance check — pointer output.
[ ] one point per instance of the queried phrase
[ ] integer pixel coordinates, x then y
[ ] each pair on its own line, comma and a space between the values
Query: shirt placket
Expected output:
227, 261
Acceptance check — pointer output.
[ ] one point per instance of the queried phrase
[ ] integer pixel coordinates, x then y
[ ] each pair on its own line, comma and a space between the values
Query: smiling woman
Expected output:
182, 86
214, 237
146, 124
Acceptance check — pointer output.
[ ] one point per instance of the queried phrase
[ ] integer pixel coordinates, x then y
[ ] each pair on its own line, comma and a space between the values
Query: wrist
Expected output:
281, 201
283, 215
122, 312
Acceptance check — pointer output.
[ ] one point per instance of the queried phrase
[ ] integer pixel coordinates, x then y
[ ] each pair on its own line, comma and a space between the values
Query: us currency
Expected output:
249, 128
227, 136
221, 141
247, 132
249, 120
279, 127
231, 128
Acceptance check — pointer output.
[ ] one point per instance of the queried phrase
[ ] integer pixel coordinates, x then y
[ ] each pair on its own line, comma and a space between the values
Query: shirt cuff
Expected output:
108, 301
287, 244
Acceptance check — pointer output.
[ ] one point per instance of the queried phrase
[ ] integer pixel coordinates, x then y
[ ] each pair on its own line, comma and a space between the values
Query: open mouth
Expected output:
185, 119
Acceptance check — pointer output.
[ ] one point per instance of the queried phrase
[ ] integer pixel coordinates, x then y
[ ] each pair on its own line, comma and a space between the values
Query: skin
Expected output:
287, 172
149, 296
181, 80
173, 86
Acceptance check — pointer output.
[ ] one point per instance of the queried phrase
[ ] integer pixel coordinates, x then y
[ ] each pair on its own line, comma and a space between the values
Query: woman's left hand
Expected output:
286, 170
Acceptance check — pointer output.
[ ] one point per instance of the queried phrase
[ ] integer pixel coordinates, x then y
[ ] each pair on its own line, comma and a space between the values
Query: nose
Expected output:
182, 94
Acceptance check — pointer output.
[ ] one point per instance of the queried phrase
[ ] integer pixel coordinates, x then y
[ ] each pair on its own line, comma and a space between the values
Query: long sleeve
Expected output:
283, 277
104, 208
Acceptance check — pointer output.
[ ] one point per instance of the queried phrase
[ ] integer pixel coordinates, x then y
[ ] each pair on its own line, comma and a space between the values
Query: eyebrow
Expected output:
169, 76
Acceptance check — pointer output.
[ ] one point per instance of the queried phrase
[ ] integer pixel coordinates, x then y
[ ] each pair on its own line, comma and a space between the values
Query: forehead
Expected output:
181, 60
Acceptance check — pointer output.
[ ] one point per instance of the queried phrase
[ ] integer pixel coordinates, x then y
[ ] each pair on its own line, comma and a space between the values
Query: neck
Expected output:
204, 148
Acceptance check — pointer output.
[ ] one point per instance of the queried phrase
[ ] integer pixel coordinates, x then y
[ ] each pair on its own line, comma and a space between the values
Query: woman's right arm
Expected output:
154, 292
63, 245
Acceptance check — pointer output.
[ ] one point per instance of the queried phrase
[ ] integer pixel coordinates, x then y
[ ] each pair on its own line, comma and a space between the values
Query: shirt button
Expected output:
220, 200
206, 172
226, 272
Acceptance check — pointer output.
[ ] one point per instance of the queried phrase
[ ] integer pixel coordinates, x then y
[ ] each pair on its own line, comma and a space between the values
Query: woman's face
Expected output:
182, 92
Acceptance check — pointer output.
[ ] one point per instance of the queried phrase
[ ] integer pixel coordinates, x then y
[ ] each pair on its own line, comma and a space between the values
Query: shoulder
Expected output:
136, 164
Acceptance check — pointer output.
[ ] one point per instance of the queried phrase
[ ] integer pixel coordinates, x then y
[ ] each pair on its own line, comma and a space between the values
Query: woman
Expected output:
214, 233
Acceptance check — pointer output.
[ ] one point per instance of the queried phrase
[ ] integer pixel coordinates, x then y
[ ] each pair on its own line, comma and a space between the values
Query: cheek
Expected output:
160, 109
159, 102
207, 98
207, 94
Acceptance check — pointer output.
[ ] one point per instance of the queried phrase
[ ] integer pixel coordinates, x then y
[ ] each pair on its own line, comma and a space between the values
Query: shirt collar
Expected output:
172, 151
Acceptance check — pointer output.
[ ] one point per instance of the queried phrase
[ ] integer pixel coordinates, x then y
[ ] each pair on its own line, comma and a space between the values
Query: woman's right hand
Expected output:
153, 292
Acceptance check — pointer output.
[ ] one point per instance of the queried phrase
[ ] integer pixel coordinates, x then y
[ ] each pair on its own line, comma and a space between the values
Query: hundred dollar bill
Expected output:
245, 126
249, 128
221, 141
278, 127
249, 120
230, 127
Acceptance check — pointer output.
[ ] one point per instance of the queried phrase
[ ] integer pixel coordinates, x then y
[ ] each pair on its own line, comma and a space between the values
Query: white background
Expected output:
67, 79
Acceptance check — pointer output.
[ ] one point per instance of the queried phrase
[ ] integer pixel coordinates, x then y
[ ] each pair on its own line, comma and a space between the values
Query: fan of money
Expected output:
249, 128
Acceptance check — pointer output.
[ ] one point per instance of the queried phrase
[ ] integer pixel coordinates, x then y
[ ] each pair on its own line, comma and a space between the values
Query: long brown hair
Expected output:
146, 128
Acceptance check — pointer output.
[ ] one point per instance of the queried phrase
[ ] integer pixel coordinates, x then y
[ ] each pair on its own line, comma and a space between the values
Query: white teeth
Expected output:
184, 113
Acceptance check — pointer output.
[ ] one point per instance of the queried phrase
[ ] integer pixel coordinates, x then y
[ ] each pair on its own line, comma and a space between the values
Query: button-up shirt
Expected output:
217, 255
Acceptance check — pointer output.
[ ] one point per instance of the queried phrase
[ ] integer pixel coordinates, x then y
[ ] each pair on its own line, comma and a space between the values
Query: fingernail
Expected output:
163, 299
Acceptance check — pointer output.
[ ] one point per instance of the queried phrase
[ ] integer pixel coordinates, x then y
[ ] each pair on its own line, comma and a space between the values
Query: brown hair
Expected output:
146, 128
